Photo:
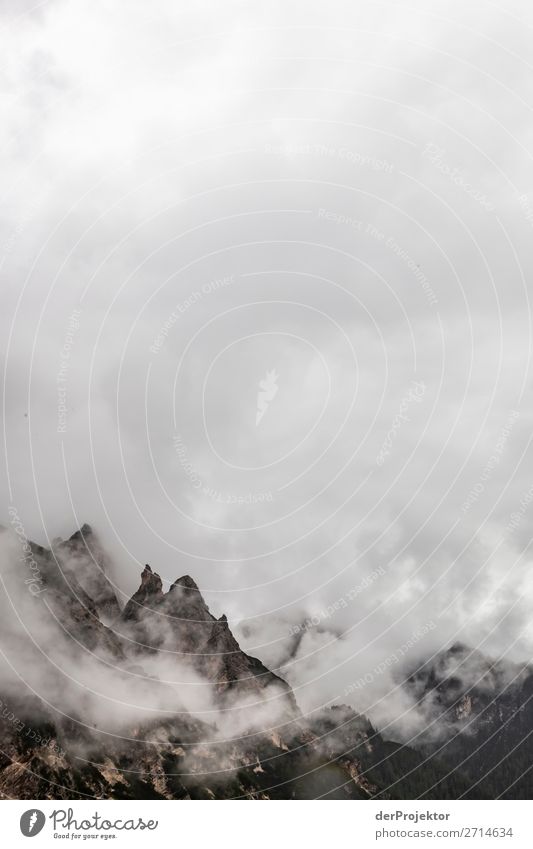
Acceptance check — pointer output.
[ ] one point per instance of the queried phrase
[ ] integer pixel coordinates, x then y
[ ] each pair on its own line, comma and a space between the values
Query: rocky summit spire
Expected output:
149, 594
187, 583
84, 531
83, 557
181, 621
476, 710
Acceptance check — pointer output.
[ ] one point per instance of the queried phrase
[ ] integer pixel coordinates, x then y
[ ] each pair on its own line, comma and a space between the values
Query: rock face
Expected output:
254, 742
79, 596
83, 557
180, 621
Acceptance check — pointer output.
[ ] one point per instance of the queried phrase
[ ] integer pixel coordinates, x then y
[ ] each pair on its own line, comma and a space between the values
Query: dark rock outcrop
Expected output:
477, 717
83, 557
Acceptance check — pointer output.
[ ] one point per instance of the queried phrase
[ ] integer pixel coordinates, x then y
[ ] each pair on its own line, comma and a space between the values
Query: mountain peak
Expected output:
150, 580
187, 583
149, 592
181, 620
458, 648
81, 533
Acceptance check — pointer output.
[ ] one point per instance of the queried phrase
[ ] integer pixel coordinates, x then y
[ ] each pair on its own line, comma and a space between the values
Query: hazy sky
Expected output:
321, 213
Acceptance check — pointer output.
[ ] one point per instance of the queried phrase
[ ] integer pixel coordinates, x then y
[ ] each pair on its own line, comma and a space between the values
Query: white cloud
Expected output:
153, 151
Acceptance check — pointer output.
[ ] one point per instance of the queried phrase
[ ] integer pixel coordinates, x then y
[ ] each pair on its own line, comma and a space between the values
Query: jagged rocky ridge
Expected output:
335, 753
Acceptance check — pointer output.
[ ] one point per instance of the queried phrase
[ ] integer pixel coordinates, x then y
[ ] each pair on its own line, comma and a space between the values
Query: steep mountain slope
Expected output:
82, 557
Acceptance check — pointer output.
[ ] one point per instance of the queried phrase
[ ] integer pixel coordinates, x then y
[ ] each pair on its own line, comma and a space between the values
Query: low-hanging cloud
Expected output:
152, 154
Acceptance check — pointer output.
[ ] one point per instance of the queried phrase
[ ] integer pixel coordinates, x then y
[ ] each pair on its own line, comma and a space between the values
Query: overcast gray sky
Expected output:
334, 200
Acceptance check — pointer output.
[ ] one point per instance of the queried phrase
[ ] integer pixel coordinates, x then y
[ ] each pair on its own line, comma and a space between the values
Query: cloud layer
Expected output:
195, 200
